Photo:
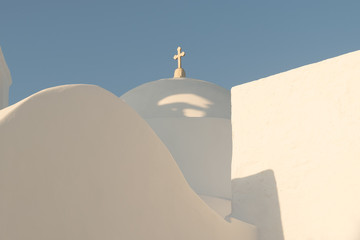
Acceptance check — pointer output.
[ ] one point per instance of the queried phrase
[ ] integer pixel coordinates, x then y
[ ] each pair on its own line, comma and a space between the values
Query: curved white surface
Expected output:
220, 205
297, 150
179, 97
192, 118
5, 82
202, 149
78, 163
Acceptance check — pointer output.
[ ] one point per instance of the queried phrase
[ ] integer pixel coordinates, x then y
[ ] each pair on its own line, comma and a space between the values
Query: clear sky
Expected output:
119, 45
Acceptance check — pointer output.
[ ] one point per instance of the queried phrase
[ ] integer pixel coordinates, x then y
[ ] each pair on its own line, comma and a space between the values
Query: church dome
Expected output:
192, 118
179, 97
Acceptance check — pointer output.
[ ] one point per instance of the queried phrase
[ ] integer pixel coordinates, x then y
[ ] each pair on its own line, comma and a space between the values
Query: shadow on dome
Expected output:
185, 104
169, 98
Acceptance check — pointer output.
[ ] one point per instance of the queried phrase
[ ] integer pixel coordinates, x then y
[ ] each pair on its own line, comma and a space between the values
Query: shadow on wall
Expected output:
255, 201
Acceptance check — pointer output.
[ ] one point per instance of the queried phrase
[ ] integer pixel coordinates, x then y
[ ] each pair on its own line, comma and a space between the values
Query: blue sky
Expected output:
119, 45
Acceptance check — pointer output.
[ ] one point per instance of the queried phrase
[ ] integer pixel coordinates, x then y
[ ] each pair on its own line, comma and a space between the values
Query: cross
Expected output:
178, 56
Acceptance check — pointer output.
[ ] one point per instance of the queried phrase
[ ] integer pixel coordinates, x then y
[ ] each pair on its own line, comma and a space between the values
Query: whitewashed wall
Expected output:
78, 163
296, 152
5, 82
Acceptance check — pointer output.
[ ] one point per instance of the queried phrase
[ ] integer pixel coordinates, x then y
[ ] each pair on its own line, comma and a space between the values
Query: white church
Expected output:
185, 159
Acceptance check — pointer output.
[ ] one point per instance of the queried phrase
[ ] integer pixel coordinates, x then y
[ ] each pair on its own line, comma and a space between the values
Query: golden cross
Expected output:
178, 56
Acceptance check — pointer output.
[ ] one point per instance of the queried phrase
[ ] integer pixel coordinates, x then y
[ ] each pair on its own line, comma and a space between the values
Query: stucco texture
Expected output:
296, 152
76, 162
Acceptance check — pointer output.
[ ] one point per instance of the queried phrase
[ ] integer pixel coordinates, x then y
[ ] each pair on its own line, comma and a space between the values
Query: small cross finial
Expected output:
178, 56
179, 72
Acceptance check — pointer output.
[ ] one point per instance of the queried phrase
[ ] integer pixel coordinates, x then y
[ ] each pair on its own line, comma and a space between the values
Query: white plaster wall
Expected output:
4, 95
296, 152
5, 82
78, 163
220, 205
